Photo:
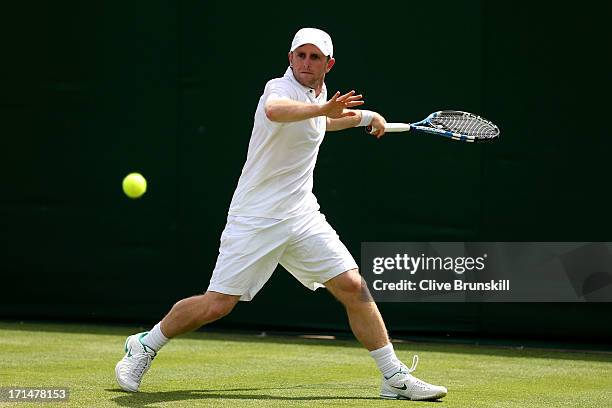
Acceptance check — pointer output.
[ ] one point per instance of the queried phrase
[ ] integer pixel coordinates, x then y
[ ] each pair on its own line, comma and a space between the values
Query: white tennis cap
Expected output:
316, 37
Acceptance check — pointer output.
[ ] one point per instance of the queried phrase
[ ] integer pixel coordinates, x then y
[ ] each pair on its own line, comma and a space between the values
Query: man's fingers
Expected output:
354, 103
376, 131
380, 132
349, 94
345, 96
354, 98
335, 97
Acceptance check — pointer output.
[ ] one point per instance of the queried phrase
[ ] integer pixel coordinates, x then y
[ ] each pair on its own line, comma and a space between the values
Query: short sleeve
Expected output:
279, 89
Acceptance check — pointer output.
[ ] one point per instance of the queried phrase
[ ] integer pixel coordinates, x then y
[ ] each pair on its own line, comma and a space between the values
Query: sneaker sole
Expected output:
401, 397
394, 397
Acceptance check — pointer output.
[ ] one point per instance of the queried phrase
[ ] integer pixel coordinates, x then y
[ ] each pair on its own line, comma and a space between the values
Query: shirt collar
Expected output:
306, 89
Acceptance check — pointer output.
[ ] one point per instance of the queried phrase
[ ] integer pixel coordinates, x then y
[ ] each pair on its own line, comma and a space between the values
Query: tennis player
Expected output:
274, 218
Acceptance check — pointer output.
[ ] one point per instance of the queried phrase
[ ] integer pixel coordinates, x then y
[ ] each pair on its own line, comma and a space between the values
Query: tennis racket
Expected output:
456, 125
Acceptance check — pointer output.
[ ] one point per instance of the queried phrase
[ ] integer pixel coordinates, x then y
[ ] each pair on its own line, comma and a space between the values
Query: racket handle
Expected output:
390, 127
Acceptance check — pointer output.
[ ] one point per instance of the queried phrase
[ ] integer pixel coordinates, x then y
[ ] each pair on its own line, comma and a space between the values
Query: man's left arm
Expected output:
354, 120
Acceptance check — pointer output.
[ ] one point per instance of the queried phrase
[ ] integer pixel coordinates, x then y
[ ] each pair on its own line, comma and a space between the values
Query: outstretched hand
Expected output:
334, 108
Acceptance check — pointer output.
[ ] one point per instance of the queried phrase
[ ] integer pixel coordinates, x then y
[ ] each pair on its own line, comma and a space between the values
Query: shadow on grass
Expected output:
145, 399
514, 348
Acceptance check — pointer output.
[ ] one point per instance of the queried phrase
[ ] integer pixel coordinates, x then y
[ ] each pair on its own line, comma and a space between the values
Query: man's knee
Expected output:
210, 306
349, 286
217, 305
353, 284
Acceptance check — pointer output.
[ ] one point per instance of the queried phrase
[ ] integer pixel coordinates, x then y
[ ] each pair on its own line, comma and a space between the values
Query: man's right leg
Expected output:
186, 315
194, 312
249, 253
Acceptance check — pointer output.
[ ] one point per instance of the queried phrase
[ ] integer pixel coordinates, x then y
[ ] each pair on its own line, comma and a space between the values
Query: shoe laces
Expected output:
415, 362
142, 362
403, 369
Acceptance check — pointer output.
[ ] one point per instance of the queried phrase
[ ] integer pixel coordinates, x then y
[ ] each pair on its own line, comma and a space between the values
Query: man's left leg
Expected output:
369, 328
364, 318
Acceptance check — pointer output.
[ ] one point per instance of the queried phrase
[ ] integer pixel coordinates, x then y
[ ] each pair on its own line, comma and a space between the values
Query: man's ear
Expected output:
289, 57
330, 64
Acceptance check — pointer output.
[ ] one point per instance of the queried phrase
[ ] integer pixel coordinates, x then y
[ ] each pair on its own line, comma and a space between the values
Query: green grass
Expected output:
220, 370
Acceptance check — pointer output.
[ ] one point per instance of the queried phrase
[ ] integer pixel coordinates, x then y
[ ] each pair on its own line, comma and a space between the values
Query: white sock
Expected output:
386, 360
155, 339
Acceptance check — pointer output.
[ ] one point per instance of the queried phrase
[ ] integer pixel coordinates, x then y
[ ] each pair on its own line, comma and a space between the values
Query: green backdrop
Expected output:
93, 91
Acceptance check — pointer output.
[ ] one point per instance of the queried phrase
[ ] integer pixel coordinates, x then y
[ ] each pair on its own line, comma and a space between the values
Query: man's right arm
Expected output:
288, 110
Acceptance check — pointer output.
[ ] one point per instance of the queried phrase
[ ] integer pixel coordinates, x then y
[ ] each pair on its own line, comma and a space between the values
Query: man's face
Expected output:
310, 65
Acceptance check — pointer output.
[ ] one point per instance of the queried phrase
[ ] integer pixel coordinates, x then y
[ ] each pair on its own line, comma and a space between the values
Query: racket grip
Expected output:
391, 127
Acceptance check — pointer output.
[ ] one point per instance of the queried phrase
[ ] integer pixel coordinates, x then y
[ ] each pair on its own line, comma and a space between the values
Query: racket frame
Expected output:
426, 126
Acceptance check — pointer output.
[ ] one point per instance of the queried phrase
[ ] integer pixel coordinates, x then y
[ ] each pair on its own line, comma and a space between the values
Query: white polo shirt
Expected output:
277, 178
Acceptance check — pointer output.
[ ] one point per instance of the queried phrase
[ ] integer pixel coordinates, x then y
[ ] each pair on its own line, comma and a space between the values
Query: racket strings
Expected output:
465, 124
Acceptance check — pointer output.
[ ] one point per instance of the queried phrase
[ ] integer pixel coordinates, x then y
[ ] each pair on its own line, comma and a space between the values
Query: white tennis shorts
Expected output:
252, 247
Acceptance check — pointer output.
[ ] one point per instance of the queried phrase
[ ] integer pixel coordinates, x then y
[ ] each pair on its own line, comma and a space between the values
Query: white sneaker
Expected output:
133, 366
402, 385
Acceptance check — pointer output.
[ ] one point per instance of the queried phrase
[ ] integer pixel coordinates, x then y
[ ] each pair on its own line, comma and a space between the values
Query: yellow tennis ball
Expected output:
134, 185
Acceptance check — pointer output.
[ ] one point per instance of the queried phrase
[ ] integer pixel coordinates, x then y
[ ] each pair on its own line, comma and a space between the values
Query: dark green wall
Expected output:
94, 91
